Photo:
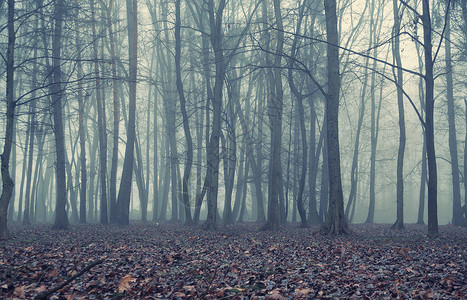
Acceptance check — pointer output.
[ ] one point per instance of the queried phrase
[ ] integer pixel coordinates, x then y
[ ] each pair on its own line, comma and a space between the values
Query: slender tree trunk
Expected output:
241, 183
100, 122
82, 138
155, 185
27, 198
61, 217
314, 218
165, 190
215, 21
399, 224
457, 218
374, 127
124, 193
14, 153
116, 120
335, 223
91, 199
7, 181
324, 191
424, 171
186, 125
353, 171
275, 108
429, 124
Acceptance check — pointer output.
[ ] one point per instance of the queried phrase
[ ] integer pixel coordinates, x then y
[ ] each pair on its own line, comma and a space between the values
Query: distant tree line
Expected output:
217, 112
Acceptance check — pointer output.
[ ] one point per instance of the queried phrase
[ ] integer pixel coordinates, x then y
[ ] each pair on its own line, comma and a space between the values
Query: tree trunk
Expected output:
100, 122
61, 217
353, 171
424, 171
336, 222
457, 216
116, 121
124, 193
215, 21
186, 125
275, 108
399, 224
27, 200
7, 181
429, 125
82, 138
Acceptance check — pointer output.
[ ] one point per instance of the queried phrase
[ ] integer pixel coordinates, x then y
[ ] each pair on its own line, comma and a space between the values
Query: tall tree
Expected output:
82, 139
186, 125
124, 193
275, 108
398, 78
116, 119
57, 92
335, 223
429, 121
27, 198
7, 181
215, 24
101, 122
457, 218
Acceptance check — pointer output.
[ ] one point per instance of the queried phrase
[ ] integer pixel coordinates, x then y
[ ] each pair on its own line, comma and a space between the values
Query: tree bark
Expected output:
457, 215
116, 121
124, 193
399, 224
61, 217
429, 124
82, 138
186, 125
100, 122
215, 22
335, 223
7, 181
27, 200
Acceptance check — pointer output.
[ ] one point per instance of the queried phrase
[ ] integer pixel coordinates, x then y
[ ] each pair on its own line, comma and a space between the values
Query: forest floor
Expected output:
239, 262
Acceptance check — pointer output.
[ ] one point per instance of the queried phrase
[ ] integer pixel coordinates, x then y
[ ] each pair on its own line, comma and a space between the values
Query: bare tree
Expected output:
123, 200
186, 125
398, 78
7, 181
335, 223
57, 92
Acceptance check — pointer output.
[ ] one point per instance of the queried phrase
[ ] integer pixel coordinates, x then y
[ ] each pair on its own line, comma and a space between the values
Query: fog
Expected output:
223, 112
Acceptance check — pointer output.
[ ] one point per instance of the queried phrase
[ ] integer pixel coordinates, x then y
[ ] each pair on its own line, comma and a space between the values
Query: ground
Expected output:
239, 262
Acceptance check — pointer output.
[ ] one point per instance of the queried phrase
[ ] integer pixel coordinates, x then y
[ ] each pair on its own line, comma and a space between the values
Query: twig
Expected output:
47, 293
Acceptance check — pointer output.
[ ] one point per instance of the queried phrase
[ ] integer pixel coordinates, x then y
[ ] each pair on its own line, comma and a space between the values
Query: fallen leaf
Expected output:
125, 283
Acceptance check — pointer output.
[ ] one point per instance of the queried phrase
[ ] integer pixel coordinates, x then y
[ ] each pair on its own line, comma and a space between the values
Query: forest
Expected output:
191, 134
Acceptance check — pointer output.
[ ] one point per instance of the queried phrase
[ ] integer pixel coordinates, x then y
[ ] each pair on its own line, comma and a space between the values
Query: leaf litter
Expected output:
238, 262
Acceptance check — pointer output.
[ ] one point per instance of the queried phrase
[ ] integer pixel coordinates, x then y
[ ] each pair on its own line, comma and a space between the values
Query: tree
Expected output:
186, 126
116, 120
82, 139
123, 200
457, 218
7, 181
335, 223
215, 24
398, 78
100, 122
301, 124
57, 92
429, 121
275, 108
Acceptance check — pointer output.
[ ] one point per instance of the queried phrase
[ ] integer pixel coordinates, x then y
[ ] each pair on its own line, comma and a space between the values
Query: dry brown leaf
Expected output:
125, 283
19, 292
275, 294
